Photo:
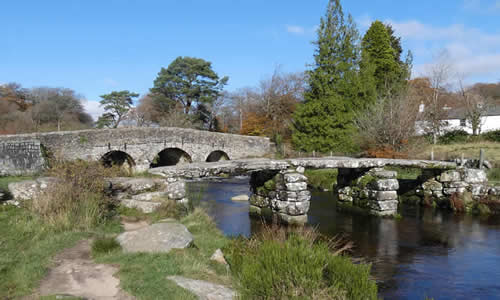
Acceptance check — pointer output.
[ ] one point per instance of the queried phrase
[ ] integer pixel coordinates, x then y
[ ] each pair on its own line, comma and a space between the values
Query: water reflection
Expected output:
426, 253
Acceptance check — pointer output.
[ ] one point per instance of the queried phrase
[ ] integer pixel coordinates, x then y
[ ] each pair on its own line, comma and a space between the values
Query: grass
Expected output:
26, 247
144, 275
4, 181
494, 175
324, 179
289, 263
470, 150
405, 173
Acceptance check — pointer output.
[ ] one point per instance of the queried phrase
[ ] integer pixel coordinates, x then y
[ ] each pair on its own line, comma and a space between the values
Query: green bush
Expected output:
296, 266
492, 136
454, 136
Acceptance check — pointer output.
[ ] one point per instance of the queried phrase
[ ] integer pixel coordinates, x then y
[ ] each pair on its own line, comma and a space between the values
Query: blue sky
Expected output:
95, 47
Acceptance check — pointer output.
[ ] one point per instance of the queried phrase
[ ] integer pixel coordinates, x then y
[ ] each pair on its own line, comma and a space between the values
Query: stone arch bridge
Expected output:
140, 148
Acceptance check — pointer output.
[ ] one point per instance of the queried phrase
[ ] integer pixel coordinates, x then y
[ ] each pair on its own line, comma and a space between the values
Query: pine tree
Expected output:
324, 122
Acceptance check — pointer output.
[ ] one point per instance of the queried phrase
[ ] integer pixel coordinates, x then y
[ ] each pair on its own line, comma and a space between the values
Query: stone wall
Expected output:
280, 196
20, 157
141, 144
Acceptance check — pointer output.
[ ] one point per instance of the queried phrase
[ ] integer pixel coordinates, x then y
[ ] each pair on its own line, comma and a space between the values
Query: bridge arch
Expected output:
216, 156
170, 157
117, 158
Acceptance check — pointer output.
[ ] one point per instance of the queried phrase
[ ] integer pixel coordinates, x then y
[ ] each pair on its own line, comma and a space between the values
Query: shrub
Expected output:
77, 200
293, 264
454, 136
492, 136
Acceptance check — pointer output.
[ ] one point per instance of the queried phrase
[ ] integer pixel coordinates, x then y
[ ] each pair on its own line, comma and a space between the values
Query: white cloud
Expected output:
295, 29
93, 108
472, 51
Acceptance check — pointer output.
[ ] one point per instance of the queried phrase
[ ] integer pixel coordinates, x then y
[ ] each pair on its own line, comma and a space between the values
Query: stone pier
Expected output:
280, 196
373, 190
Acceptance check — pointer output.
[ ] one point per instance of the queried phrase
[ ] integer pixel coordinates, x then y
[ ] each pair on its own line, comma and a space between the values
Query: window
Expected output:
462, 122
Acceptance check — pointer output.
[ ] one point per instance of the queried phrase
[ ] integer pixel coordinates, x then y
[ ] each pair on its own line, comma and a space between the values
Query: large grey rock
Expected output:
391, 205
144, 206
292, 220
159, 237
381, 173
135, 186
30, 189
151, 196
298, 208
203, 289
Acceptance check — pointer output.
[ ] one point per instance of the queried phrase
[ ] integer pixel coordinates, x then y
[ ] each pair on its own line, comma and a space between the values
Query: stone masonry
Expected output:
280, 196
373, 190
21, 154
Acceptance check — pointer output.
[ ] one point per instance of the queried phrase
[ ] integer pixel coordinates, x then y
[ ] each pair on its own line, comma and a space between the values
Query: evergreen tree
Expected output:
324, 122
382, 56
377, 47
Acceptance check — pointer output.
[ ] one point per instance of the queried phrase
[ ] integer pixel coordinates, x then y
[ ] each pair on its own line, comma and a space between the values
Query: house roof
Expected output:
459, 112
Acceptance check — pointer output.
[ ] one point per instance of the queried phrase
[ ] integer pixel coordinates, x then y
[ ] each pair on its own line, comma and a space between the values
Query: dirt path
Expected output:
75, 274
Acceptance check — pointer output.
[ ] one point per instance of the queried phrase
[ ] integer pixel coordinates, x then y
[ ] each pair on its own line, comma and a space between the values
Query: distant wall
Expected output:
20, 157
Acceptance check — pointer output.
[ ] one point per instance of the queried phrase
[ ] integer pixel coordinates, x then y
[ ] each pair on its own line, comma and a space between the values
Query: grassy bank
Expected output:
4, 181
324, 179
470, 150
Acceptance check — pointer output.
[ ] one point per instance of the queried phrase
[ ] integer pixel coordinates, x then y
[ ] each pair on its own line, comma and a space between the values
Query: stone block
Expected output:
391, 205
298, 208
294, 177
303, 196
345, 198
475, 176
278, 205
449, 176
381, 173
432, 185
478, 189
385, 185
300, 169
292, 220
386, 195
296, 186
456, 184
176, 190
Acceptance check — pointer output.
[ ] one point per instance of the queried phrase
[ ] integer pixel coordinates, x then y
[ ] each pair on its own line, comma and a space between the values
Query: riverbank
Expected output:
30, 243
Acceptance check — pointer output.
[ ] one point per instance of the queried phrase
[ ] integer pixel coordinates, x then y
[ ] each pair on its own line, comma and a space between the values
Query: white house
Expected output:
490, 121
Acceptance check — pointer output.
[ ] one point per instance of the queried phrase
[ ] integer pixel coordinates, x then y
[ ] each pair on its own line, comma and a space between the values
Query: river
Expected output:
427, 253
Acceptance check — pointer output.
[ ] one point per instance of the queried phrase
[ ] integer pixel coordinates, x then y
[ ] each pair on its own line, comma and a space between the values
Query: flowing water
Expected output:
427, 253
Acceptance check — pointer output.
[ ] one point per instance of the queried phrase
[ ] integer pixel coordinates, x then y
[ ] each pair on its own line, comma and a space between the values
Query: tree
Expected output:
325, 121
117, 104
390, 122
187, 82
105, 120
475, 106
382, 52
433, 118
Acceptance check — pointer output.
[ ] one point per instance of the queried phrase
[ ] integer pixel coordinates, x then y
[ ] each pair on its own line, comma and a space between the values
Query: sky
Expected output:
95, 47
